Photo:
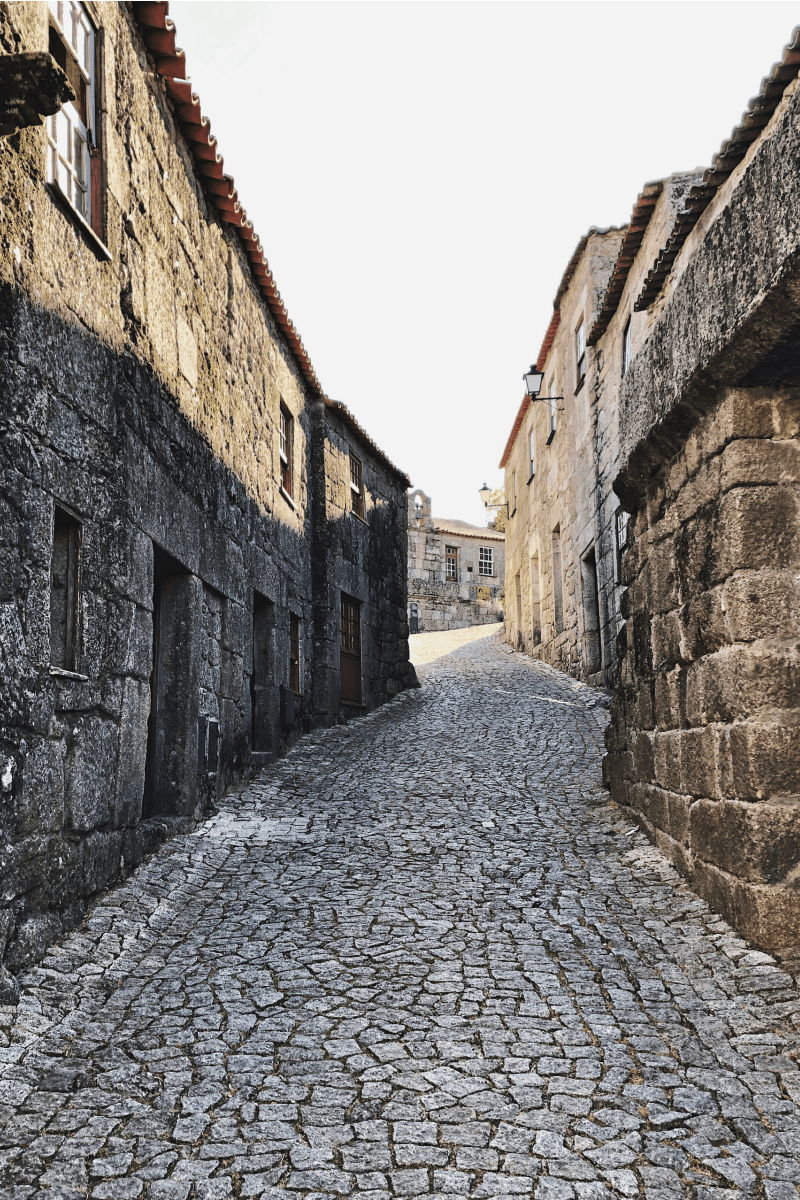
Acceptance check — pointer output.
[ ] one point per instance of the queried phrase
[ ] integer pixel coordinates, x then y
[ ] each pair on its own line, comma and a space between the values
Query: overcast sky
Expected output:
420, 172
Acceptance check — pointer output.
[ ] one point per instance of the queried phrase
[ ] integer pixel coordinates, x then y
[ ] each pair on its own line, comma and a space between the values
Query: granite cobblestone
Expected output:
421, 955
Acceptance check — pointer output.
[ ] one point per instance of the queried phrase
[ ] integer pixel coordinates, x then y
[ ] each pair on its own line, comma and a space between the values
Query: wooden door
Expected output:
350, 655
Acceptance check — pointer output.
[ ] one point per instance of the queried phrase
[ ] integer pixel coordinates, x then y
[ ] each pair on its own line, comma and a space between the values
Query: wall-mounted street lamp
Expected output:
485, 494
533, 385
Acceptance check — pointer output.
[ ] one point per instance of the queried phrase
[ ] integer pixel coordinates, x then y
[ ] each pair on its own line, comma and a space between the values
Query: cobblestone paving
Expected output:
420, 956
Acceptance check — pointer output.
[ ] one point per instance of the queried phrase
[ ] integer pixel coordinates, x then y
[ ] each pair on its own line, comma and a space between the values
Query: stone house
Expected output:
455, 570
655, 546
202, 554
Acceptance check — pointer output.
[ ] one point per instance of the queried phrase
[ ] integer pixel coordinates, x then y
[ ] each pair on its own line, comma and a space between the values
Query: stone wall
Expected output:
142, 378
703, 741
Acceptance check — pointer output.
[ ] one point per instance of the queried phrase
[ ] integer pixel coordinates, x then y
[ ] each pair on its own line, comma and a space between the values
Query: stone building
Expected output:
202, 555
655, 545
455, 570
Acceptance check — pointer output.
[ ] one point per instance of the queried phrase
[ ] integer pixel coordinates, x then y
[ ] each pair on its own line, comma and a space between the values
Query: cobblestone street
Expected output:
422, 955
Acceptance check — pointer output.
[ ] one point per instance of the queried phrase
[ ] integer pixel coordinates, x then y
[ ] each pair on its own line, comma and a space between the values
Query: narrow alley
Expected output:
421, 955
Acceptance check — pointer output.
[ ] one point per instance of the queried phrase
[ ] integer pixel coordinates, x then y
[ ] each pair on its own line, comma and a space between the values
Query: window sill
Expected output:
287, 497
531, 477
61, 673
363, 520
550, 437
581, 382
100, 248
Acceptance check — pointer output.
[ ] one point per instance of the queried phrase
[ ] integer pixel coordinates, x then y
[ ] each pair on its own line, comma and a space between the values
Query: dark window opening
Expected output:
357, 486
350, 651
286, 449
64, 591
580, 355
558, 594
294, 653
262, 676
626, 347
591, 613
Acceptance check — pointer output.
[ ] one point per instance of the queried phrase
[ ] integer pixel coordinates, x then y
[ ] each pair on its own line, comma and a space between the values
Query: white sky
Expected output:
420, 172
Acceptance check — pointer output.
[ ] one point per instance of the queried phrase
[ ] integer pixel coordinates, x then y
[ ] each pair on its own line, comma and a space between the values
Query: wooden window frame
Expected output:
451, 561
77, 122
580, 355
621, 519
626, 348
295, 672
350, 649
357, 486
286, 451
486, 558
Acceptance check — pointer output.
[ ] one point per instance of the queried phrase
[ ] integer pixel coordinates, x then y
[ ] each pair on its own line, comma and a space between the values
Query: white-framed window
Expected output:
70, 133
620, 538
451, 563
356, 485
626, 347
486, 560
580, 353
531, 455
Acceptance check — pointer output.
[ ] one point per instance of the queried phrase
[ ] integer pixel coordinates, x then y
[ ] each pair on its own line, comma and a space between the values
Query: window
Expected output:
64, 583
356, 486
513, 492
531, 458
294, 653
558, 593
580, 355
626, 347
451, 563
552, 405
287, 447
620, 539
486, 560
72, 162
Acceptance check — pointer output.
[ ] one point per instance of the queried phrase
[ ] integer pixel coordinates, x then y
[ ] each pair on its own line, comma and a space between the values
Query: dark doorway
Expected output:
350, 654
591, 614
171, 761
262, 677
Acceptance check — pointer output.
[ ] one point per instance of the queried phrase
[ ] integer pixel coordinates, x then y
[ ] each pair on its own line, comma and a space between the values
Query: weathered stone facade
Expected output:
692, 415
173, 519
455, 570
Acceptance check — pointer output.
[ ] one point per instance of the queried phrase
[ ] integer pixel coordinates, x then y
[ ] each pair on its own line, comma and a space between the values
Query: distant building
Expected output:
455, 570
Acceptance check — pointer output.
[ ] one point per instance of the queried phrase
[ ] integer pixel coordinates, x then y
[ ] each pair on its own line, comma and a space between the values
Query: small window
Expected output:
64, 585
552, 404
513, 492
621, 539
531, 455
356, 486
580, 354
451, 563
486, 560
72, 162
294, 653
286, 449
626, 347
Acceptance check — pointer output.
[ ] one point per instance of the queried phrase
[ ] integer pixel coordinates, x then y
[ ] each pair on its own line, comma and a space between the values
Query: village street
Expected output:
420, 955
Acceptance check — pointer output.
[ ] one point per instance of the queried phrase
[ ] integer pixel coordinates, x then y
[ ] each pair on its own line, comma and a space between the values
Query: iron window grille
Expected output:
486, 560
70, 132
451, 563
356, 486
286, 449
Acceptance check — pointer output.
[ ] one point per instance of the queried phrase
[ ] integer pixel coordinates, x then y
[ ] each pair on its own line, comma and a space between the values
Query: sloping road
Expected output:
421, 955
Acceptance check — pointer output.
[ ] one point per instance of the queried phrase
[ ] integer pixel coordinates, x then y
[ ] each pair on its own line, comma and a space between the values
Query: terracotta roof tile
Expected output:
634, 235
464, 529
